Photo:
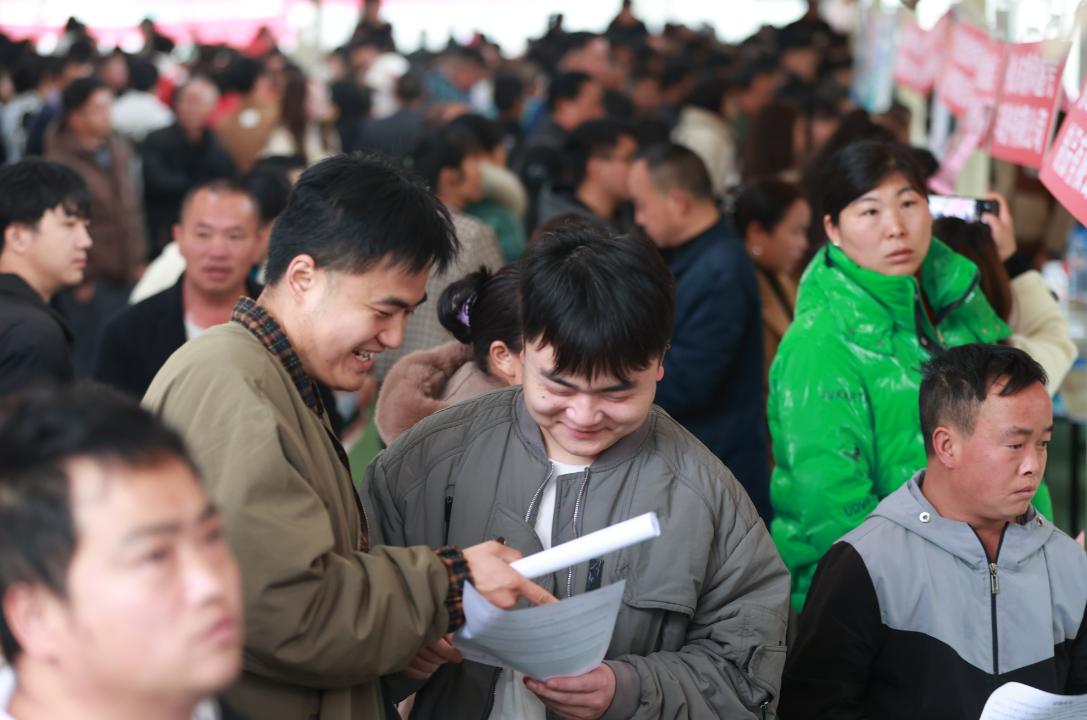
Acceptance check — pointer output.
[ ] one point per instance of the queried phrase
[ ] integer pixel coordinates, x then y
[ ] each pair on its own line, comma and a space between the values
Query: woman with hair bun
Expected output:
483, 312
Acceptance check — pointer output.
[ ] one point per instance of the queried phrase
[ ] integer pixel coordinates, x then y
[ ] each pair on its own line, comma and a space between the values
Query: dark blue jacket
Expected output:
713, 370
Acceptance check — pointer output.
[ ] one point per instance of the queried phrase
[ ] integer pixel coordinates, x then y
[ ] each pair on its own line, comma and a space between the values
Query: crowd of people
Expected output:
624, 272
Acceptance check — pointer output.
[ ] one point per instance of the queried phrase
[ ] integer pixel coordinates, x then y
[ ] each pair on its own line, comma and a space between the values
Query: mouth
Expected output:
364, 360
223, 632
900, 256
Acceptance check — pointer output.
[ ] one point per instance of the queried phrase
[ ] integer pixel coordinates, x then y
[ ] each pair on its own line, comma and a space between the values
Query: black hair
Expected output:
220, 186
142, 74
78, 92
956, 382
41, 433
241, 75
508, 90
565, 86
443, 148
409, 87
708, 93
487, 132
860, 167
350, 212
675, 166
491, 304
268, 182
974, 240
594, 138
604, 303
31, 187
764, 200
747, 73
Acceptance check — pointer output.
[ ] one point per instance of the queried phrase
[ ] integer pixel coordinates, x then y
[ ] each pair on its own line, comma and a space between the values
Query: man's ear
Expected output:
947, 446
301, 276
34, 614
17, 237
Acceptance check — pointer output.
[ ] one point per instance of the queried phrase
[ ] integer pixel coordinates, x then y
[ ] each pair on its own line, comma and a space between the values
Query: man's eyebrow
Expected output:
400, 302
1017, 431
618, 387
168, 528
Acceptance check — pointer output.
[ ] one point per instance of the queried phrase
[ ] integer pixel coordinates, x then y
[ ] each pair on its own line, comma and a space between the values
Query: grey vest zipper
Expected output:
577, 528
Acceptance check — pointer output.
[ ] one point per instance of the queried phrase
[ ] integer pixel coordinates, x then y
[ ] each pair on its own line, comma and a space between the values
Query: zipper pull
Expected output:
994, 584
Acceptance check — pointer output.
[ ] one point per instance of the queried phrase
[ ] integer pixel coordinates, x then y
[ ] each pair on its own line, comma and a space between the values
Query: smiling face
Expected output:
1002, 462
579, 417
344, 318
887, 230
153, 605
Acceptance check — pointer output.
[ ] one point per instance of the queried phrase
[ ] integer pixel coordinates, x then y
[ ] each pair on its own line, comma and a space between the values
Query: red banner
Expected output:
919, 57
1064, 169
1025, 113
972, 70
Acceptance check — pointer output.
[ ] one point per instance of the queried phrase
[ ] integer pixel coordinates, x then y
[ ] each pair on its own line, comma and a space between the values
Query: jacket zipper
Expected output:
494, 690
994, 590
962, 299
577, 528
536, 495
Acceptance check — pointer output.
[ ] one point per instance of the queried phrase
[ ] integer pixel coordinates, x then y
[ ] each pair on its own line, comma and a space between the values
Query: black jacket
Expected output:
139, 340
171, 167
34, 340
713, 369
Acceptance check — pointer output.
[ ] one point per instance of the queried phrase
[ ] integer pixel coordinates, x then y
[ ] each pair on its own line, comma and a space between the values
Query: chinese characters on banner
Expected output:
971, 49
1064, 169
1026, 110
921, 54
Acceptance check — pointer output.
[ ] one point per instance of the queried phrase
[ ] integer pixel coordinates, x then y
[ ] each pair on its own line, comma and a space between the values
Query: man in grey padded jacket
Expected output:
702, 628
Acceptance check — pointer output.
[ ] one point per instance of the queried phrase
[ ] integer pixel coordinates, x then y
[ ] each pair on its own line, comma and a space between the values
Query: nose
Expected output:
205, 575
896, 227
1033, 464
582, 410
392, 335
84, 240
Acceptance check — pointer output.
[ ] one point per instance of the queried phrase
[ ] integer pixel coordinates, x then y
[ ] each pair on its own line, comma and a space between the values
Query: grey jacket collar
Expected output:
909, 508
622, 451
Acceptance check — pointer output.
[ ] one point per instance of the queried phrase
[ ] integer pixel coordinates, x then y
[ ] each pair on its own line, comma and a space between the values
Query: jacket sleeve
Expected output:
731, 663
821, 425
30, 356
314, 617
840, 634
1040, 328
705, 343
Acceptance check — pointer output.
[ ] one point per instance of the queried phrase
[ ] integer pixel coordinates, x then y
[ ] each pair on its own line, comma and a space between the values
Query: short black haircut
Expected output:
483, 307
674, 166
409, 87
142, 74
755, 67
565, 86
604, 303
508, 90
268, 181
78, 92
861, 167
487, 132
350, 212
41, 433
955, 383
764, 200
31, 187
708, 93
443, 148
594, 138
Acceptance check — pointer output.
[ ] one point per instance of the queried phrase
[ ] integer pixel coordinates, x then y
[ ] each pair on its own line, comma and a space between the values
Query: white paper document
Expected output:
1015, 701
561, 639
594, 545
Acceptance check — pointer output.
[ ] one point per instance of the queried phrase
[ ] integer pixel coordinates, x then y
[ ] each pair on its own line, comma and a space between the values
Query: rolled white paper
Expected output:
595, 544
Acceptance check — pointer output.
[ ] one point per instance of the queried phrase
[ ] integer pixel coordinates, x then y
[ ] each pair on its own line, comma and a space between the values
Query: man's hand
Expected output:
495, 580
585, 697
427, 661
1003, 227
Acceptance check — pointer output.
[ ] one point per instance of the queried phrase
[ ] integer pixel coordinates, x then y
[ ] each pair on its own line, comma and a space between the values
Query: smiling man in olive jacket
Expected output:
326, 614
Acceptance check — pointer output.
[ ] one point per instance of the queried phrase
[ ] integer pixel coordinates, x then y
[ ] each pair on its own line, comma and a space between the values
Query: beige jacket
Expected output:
1039, 328
324, 619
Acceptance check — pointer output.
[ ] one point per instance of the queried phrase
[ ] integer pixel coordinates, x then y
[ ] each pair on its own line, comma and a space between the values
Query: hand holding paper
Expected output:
496, 577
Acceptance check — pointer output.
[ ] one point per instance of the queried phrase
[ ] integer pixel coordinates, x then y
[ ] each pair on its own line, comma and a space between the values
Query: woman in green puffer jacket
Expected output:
874, 304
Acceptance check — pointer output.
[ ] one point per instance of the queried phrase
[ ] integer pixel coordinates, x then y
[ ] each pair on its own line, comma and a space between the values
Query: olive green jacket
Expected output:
324, 619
